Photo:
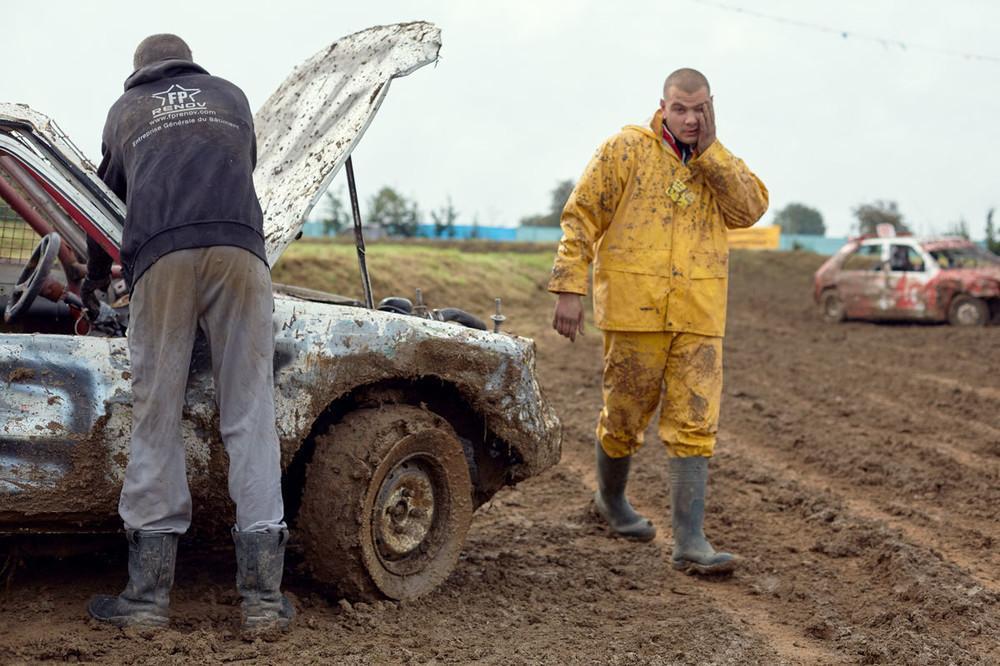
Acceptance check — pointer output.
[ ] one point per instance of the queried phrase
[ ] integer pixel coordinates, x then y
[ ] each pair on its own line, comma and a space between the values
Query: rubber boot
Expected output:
610, 500
260, 562
692, 552
146, 598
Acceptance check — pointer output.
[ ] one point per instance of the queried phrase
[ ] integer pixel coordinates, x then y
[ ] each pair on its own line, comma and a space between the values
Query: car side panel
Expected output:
66, 404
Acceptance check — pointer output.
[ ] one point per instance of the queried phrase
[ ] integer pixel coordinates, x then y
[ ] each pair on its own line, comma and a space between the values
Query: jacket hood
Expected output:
163, 69
651, 127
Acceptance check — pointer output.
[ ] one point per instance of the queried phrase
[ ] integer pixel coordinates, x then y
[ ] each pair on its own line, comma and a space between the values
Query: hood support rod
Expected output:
359, 238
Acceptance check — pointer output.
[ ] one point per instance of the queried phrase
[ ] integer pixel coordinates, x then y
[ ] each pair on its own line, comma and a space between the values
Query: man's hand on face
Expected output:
568, 318
706, 126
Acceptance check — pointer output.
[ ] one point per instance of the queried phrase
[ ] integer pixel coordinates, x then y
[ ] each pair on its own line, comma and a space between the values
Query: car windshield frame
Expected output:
965, 256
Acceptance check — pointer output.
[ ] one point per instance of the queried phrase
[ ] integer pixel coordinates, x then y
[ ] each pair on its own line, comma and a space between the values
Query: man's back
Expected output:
179, 148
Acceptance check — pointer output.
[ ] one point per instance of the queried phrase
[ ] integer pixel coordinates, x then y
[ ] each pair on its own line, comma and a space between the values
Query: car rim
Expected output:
404, 514
832, 307
968, 314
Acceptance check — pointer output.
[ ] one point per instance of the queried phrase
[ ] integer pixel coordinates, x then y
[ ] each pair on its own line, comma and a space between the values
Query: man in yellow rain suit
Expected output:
651, 212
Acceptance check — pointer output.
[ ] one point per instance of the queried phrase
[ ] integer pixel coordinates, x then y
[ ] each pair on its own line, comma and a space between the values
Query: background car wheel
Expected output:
968, 311
831, 307
387, 503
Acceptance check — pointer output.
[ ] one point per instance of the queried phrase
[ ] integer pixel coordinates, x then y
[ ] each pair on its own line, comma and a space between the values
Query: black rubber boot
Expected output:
146, 598
260, 562
611, 503
692, 552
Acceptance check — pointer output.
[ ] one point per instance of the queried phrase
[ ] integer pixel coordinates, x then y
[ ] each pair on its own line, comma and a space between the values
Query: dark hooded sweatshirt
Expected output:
179, 150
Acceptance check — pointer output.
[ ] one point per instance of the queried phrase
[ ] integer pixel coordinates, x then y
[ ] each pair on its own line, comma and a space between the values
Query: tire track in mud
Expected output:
803, 404
873, 408
791, 646
976, 462
954, 532
982, 391
858, 577
797, 400
985, 574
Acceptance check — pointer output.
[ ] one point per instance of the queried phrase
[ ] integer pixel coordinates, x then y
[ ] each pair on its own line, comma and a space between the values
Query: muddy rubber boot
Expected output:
692, 552
145, 601
260, 562
611, 503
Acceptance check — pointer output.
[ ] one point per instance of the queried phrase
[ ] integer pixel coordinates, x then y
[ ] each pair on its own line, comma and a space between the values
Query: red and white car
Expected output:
908, 278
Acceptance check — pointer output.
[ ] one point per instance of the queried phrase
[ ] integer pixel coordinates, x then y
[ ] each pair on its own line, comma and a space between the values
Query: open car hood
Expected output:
307, 129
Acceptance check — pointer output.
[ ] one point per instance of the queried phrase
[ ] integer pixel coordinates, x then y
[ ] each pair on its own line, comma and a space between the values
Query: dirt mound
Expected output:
858, 474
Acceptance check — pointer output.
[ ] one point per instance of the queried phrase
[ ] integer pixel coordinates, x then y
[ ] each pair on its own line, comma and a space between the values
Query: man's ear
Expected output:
663, 105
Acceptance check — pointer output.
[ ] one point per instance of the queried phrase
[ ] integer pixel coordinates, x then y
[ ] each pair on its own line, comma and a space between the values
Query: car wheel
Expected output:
968, 311
831, 307
387, 504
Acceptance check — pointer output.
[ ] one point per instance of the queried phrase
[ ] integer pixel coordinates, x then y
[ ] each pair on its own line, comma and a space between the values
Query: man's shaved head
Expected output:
686, 79
161, 47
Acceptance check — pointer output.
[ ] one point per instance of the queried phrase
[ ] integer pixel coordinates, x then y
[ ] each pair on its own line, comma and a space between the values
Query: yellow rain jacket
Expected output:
658, 230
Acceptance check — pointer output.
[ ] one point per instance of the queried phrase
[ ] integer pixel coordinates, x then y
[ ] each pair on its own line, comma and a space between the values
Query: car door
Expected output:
908, 276
861, 282
63, 398
65, 405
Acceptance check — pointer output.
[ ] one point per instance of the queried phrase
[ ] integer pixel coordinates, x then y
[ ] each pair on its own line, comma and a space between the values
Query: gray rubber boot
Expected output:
146, 598
611, 503
692, 552
260, 562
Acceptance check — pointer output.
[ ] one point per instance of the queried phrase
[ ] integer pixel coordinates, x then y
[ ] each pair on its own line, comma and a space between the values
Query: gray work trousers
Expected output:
227, 291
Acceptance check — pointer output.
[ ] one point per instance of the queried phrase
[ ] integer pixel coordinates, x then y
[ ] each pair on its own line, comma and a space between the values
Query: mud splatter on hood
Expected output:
307, 129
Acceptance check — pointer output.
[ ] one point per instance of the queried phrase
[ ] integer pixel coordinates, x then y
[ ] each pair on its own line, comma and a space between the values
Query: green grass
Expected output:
448, 274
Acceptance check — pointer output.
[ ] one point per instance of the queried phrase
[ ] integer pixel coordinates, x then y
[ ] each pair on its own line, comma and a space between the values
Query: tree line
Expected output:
390, 211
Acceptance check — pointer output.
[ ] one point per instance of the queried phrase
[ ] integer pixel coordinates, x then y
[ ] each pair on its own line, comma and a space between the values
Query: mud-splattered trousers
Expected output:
655, 230
684, 368
227, 292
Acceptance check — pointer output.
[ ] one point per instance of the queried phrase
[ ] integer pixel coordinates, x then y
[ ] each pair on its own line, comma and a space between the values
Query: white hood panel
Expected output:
309, 126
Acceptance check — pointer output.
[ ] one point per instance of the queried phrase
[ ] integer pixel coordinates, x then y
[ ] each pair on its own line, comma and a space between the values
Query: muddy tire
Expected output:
831, 307
387, 504
968, 311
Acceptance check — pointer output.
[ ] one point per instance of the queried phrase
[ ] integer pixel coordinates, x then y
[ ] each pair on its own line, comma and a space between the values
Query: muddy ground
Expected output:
858, 474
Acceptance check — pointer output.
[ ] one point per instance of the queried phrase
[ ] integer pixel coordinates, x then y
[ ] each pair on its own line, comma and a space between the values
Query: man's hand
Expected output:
89, 296
568, 318
706, 126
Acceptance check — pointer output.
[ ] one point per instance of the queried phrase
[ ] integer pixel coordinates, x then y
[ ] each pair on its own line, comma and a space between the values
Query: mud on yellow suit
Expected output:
655, 230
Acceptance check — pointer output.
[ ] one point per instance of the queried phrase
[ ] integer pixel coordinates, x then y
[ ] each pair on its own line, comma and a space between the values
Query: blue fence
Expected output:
466, 231
817, 244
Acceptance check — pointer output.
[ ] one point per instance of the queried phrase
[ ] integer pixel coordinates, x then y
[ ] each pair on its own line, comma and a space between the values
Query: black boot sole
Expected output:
695, 569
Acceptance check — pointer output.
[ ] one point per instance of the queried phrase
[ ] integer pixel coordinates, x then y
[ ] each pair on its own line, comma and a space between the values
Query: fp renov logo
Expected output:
177, 98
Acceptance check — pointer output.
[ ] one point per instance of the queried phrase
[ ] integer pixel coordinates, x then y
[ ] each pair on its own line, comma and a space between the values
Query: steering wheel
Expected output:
32, 276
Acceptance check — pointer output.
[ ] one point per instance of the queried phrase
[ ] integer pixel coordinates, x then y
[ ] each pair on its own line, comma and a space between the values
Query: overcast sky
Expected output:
526, 90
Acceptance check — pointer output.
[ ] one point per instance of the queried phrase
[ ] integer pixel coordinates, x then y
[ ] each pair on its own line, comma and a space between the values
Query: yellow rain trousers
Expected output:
636, 367
655, 230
